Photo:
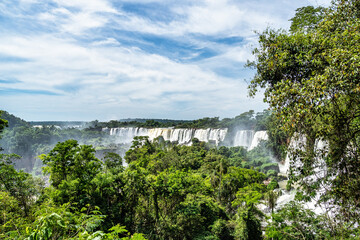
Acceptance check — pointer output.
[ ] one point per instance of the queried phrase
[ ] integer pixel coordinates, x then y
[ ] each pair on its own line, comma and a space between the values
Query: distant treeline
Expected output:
246, 120
20, 137
57, 123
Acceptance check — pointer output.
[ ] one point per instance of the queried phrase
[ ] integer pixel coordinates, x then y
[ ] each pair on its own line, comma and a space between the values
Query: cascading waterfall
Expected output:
284, 167
243, 138
183, 136
258, 137
321, 148
179, 135
127, 134
249, 138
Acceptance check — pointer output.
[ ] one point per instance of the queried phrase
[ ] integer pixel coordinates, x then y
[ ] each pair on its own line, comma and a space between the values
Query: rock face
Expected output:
183, 136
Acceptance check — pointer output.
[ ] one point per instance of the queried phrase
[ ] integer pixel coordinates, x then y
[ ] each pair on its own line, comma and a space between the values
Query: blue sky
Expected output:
107, 59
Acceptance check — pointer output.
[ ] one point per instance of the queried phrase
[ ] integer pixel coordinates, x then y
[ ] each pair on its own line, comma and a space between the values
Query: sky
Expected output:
106, 59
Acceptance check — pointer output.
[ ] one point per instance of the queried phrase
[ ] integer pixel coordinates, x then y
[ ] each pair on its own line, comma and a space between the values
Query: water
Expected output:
258, 137
243, 138
181, 136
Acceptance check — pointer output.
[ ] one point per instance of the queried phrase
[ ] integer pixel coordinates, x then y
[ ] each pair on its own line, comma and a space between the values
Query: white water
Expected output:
284, 167
249, 138
319, 165
127, 134
258, 137
181, 136
243, 138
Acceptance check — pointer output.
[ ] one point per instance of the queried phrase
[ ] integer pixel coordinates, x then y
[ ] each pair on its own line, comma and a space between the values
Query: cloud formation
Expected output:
102, 59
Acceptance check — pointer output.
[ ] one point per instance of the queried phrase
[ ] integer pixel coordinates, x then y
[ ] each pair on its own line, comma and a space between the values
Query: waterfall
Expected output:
201, 134
297, 142
319, 171
217, 135
211, 134
127, 134
258, 137
157, 132
180, 135
183, 136
243, 138
284, 167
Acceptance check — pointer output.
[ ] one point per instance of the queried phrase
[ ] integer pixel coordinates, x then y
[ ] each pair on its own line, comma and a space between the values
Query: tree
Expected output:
19, 184
307, 18
72, 169
311, 81
295, 222
270, 198
247, 219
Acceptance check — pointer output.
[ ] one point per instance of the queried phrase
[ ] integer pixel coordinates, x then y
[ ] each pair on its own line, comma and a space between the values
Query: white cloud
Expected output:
49, 54
78, 16
324, 3
122, 76
80, 22
211, 17
29, 1
107, 41
214, 17
75, 50
88, 6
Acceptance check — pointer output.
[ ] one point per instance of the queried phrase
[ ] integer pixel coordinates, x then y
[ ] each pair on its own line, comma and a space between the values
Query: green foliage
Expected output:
166, 192
272, 185
293, 221
71, 168
187, 192
11, 215
10, 120
246, 224
113, 162
278, 138
178, 192
271, 197
307, 18
60, 222
20, 185
311, 80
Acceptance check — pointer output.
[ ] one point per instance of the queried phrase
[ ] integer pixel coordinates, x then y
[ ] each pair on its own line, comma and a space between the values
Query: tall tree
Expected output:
72, 169
311, 81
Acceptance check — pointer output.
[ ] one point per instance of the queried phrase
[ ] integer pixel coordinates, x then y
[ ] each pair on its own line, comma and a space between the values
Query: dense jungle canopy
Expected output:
312, 82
